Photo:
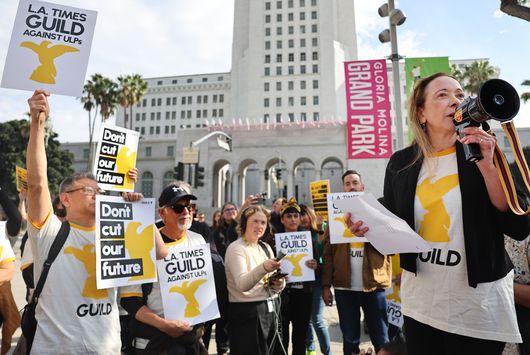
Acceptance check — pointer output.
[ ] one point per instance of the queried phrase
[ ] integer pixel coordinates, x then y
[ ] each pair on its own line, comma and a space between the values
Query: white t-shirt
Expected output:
440, 295
6, 252
154, 301
356, 267
74, 317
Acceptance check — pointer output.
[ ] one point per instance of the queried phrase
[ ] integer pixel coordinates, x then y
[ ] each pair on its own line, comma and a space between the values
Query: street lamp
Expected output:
396, 17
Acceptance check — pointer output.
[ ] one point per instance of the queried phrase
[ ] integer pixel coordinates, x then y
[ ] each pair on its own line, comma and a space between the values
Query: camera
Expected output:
497, 100
261, 197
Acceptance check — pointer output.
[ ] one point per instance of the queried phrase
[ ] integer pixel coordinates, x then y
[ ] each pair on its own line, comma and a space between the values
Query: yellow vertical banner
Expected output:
22, 179
319, 193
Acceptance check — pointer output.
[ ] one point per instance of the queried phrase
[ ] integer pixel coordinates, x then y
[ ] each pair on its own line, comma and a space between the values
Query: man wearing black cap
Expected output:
152, 333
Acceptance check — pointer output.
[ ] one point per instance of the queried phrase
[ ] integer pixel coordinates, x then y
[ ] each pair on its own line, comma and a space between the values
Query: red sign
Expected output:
368, 109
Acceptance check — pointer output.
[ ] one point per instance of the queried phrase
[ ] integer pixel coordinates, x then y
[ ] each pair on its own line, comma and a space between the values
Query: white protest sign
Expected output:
116, 155
3, 230
299, 249
49, 48
125, 241
187, 284
338, 231
394, 314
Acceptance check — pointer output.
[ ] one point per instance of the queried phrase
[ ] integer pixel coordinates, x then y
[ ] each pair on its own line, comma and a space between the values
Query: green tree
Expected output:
89, 104
457, 73
525, 96
476, 73
131, 90
13, 143
107, 98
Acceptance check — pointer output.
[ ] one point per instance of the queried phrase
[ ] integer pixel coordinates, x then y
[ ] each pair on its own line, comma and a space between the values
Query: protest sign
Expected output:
299, 249
116, 155
49, 48
22, 179
319, 193
187, 284
394, 314
338, 231
125, 241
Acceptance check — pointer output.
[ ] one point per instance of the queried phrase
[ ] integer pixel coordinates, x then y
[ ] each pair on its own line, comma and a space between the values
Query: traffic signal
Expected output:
199, 176
178, 171
266, 174
279, 174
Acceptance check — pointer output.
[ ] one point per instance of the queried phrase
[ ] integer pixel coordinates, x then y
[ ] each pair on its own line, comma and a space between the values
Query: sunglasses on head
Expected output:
178, 208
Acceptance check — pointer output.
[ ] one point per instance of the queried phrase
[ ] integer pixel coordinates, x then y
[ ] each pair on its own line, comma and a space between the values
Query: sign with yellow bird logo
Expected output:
187, 284
22, 178
49, 48
125, 241
116, 155
299, 249
338, 230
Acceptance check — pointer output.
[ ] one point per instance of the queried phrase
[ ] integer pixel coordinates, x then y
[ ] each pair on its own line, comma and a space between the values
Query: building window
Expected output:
302, 16
290, 16
159, 101
315, 100
198, 114
290, 4
291, 43
278, 86
303, 101
303, 116
302, 56
278, 44
158, 116
302, 42
278, 102
219, 78
267, 71
204, 80
159, 82
182, 114
313, 15
267, 18
315, 68
278, 58
291, 101
290, 30
316, 116
143, 116
214, 112
291, 57
290, 69
302, 29
204, 113
266, 102
152, 116
267, 58
183, 100
144, 102
278, 118
302, 69
290, 85
266, 118
199, 99
221, 98
278, 4
313, 2
267, 6
170, 150
214, 99
221, 112
85, 153
168, 101
313, 28
147, 184
278, 31
315, 55
291, 117
173, 129
153, 102
279, 18
188, 114
314, 42
142, 130
148, 150
302, 3
315, 84
174, 101
137, 117
166, 130
173, 115
174, 81
168, 177
205, 99
267, 31
190, 100
157, 129
267, 45
302, 84
278, 70
167, 115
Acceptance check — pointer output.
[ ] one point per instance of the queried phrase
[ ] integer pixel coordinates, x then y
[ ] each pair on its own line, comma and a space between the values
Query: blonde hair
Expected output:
419, 131
247, 213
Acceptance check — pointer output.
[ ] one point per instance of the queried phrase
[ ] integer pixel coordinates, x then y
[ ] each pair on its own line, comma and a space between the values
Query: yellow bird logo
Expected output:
347, 232
124, 163
188, 290
46, 72
88, 257
294, 259
139, 246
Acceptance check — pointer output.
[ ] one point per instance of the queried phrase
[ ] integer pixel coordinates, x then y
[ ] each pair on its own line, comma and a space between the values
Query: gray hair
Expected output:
67, 183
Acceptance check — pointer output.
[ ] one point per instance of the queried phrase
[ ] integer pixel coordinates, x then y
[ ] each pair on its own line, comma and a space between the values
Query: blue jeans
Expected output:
317, 322
349, 305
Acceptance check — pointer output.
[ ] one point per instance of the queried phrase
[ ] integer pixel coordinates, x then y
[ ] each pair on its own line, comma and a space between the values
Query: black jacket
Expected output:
484, 226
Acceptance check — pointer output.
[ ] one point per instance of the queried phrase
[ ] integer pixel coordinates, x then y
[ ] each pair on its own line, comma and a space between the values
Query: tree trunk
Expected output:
512, 8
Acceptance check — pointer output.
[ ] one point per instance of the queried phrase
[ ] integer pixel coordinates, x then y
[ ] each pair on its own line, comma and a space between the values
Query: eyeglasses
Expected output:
89, 190
180, 208
230, 209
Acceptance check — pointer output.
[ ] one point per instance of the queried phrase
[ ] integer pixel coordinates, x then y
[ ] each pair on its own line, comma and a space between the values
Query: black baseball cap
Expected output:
172, 194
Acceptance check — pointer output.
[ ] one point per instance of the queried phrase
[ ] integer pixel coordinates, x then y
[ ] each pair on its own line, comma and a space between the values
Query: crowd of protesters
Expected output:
472, 304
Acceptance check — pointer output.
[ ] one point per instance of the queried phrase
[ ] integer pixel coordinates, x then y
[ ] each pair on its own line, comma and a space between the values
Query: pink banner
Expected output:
368, 109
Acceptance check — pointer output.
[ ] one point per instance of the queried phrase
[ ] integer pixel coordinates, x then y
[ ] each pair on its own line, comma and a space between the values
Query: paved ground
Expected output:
330, 315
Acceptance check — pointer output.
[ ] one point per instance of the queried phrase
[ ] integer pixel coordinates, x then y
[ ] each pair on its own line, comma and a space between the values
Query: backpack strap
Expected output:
265, 249
56, 247
146, 291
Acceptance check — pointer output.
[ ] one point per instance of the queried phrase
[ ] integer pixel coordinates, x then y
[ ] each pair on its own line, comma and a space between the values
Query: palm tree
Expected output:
525, 96
132, 89
476, 73
108, 98
457, 73
90, 103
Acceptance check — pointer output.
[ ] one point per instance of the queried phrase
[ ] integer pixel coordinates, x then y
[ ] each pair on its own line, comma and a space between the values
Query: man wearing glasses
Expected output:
74, 317
153, 334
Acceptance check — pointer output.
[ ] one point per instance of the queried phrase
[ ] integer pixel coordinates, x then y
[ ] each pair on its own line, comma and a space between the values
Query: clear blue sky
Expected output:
179, 37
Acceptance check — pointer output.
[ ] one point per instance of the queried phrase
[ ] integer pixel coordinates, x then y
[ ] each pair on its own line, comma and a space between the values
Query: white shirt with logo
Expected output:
6, 252
74, 317
439, 295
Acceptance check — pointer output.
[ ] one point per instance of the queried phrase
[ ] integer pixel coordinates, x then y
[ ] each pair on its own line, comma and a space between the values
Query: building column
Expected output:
318, 174
290, 183
235, 189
